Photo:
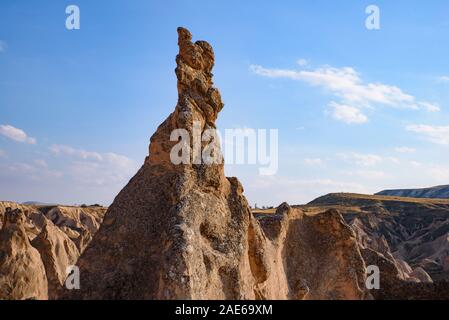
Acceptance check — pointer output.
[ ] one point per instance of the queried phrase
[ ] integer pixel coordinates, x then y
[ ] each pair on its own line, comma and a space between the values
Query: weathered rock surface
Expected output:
185, 231
22, 273
311, 256
57, 252
79, 224
407, 238
27, 273
34, 219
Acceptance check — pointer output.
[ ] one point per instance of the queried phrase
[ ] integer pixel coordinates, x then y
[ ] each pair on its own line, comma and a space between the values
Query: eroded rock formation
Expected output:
35, 253
185, 231
311, 256
22, 273
406, 238
58, 252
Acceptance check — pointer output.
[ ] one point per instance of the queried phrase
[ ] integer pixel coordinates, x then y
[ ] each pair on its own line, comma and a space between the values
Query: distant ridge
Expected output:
441, 192
37, 203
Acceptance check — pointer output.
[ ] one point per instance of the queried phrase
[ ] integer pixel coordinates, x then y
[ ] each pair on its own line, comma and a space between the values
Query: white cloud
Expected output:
435, 134
79, 153
404, 149
302, 62
359, 159
346, 84
3, 46
118, 160
439, 173
2, 153
296, 191
34, 172
90, 167
431, 107
313, 161
367, 174
415, 164
16, 134
394, 160
444, 79
347, 114
41, 163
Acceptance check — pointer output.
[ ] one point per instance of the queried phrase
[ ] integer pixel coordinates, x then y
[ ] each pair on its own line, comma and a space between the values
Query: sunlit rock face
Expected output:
38, 244
185, 231
22, 273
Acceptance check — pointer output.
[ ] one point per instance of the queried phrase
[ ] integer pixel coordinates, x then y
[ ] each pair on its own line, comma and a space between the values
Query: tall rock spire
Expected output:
176, 230
181, 230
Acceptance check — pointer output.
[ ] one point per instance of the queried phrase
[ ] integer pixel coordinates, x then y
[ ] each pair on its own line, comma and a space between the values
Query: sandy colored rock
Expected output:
78, 223
34, 219
413, 230
175, 231
22, 273
45, 245
185, 231
406, 237
314, 256
57, 252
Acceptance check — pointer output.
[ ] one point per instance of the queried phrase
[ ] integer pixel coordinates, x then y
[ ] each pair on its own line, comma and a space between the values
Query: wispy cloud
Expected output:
354, 94
367, 174
360, 159
16, 134
3, 46
302, 62
33, 171
431, 107
79, 153
296, 191
439, 173
94, 167
2, 153
313, 162
435, 134
347, 114
443, 79
404, 149
41, 163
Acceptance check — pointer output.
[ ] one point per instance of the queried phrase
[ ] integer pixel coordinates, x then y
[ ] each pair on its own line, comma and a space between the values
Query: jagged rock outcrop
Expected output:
34, 219
22, 273
182, 230
175, 231
79, 224
57, 252
407, 238
36, 252
312, 256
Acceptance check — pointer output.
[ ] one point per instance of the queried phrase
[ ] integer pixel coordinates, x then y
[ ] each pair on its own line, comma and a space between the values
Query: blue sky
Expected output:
356, 109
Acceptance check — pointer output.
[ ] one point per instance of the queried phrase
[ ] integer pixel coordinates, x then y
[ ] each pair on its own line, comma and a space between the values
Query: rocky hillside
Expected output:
37, 243
441, 192
409, 233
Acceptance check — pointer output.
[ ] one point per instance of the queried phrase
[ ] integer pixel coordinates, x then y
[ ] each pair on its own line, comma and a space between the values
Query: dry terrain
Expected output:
186, 231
